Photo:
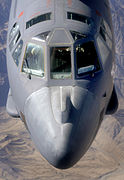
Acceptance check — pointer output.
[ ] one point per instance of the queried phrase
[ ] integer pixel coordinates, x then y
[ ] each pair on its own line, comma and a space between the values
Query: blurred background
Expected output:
19, 159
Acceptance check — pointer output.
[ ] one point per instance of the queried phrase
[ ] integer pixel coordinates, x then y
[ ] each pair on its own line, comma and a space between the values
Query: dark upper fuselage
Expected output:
59, 57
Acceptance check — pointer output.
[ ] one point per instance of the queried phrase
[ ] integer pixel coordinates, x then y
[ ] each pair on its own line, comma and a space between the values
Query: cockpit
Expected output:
68, 54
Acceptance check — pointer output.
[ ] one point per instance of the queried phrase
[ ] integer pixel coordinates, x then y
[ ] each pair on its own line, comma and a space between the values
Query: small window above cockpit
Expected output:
42, 37
80, 18
86, 58
103, 49
33, 62
76, 35
38, 19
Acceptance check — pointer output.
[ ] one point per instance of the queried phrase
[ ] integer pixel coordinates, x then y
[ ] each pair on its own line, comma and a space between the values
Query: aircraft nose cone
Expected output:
60, 123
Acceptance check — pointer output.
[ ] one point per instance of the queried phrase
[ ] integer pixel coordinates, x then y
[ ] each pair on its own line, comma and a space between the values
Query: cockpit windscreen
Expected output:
86, 58
60, 62
34, 60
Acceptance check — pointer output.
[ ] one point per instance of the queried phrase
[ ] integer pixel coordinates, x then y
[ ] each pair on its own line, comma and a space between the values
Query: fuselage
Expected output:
60, 55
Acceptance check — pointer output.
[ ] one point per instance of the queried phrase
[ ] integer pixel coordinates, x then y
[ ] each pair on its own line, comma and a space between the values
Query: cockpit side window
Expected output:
86, 58
106, 33
13, 31
103, 49
14, 36
17, 52
33, 62
15, 40
60, 62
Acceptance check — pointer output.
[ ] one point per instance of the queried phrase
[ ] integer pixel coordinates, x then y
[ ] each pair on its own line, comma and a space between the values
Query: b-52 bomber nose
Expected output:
62, 123
60, 57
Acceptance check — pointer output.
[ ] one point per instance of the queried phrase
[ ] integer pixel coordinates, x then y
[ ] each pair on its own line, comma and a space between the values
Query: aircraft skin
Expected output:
60, 56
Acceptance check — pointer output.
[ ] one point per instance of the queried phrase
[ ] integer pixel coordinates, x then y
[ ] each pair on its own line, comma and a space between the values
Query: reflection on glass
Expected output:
34, 60
60, 62
86, 58
13, 31
17, 52
86, 69
15, 40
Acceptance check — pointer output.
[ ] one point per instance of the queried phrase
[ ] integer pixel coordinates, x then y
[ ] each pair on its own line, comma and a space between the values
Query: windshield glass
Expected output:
34, 60
86, 58
60, 62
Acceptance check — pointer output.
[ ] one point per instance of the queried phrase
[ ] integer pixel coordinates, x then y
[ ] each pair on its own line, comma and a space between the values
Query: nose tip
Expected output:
62, 157
65, 162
